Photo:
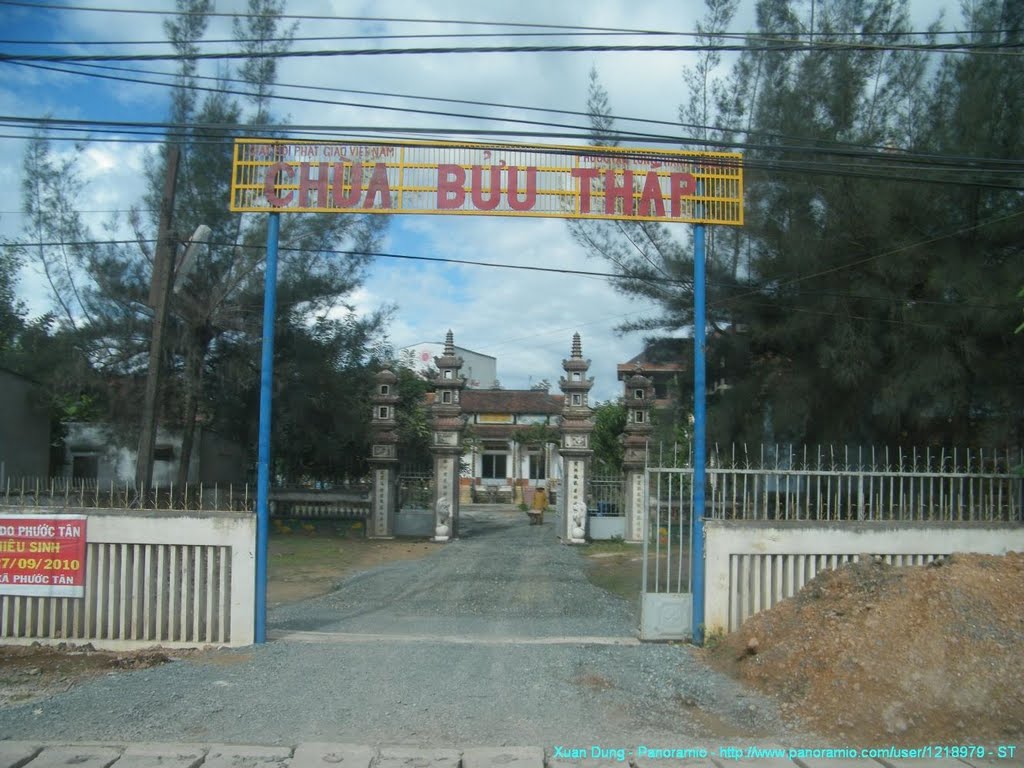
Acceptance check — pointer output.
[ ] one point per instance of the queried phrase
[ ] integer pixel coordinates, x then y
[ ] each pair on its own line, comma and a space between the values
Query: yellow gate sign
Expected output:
271, 175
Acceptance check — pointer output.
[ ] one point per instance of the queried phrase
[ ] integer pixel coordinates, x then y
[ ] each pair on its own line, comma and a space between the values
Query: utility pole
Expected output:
159, 296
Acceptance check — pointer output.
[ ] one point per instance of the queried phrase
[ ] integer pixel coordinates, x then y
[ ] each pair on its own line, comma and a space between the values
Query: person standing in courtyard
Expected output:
540, 503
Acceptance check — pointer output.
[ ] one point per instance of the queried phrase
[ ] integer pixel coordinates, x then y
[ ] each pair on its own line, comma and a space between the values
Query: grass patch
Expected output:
615, 546
619, 575
618, 568
309, 558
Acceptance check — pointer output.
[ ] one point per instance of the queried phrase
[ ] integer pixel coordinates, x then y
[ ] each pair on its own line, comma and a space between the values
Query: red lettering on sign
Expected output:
652, 196
273, 172
43, 555
307, 185
614, 192
680, 185
347, 195
450, 182
479, 201
586, 178
378, 185
527, 203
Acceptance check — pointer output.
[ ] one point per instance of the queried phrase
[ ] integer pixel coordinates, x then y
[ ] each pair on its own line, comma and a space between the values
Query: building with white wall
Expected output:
95, 452
480, 371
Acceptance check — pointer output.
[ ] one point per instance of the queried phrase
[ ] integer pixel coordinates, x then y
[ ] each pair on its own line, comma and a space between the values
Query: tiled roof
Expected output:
648, 367
509, 401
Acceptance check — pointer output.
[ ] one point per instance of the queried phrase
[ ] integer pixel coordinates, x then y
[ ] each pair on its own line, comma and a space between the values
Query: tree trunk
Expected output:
193, 387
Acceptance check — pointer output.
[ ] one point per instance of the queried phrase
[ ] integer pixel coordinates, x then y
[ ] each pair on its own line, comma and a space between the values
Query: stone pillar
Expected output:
638, 399
446, 445
383, 456
575, 428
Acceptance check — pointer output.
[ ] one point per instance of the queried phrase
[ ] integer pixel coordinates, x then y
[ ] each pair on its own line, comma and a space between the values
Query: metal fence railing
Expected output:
286, 502
606, 495
415, 490
89, 494
828, 483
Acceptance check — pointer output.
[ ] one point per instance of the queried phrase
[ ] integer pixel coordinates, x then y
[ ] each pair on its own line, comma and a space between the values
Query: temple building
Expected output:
510, 442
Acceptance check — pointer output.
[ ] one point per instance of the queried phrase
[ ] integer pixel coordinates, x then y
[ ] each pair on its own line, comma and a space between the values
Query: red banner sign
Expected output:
42, 555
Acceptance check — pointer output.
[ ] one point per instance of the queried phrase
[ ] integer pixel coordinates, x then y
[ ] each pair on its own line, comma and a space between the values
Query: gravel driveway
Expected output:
497, 639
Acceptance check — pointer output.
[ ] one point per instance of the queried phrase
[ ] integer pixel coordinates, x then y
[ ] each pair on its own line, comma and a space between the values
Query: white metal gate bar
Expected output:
669, 504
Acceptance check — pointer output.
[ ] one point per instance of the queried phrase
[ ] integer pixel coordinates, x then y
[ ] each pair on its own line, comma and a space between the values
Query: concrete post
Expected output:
638, 399
576, 427
446, 445
383, 456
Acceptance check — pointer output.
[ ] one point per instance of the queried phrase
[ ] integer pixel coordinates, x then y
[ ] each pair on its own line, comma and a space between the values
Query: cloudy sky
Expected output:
525, 319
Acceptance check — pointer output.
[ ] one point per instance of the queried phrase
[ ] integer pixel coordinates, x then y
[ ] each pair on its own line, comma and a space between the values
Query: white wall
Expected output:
117, 458
753, 564
169, 578
480, 371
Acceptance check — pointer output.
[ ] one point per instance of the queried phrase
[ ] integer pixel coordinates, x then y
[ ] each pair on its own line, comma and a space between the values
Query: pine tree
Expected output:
868, 296
212, 350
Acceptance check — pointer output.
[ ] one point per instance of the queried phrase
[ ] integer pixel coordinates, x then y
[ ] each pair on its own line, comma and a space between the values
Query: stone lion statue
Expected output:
579, 518
443, 509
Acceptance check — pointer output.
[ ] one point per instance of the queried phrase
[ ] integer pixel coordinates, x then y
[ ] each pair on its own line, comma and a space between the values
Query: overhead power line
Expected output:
326, 38
501, 24
1006, 47
775, 285
373, 254
818, 147
887, 167
330, 17
553, 270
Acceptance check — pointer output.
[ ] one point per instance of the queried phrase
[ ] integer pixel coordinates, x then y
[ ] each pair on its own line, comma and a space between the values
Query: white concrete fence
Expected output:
170, 578
753, 564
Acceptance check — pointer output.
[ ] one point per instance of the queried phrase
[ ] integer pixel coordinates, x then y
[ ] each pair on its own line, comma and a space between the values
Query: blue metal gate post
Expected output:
699, 428
263, 466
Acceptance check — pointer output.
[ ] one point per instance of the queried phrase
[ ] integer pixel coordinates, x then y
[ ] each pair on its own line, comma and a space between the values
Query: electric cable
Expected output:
842, 148
1006, 48
584, 273
454, 22
849, 265
954, 174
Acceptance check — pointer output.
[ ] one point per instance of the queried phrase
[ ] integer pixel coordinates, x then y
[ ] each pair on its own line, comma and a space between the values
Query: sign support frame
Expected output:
699, 433
263, 463
724, 207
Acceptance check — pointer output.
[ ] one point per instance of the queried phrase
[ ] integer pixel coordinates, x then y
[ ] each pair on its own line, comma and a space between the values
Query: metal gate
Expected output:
666, 607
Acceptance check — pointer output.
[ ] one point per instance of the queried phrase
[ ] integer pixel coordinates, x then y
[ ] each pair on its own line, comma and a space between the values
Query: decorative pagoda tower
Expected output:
383, 455
638, 399
446, 445
576, 452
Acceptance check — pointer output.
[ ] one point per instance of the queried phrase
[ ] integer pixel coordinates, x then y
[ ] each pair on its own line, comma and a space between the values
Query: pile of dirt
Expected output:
879, 654
29, 673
